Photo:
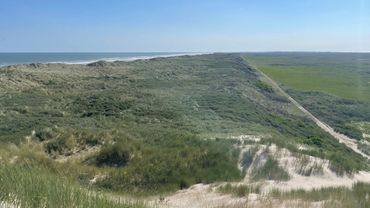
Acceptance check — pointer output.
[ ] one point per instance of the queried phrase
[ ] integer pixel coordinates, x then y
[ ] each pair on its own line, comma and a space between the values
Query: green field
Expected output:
342, 74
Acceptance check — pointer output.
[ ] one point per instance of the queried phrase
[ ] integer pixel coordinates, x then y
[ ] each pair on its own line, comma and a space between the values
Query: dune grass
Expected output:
270, 171
34, 188
357, 196
239, 190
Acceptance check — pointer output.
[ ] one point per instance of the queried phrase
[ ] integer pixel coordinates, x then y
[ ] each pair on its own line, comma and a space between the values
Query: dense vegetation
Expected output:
170, 160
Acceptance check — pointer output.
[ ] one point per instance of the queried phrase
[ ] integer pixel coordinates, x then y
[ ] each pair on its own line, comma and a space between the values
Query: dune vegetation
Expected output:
152, 127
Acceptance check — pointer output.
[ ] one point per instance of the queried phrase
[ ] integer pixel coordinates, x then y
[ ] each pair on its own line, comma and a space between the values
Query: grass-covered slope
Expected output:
154, 125
33, 188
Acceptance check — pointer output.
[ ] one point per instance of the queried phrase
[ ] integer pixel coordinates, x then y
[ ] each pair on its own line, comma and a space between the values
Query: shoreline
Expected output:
113, 59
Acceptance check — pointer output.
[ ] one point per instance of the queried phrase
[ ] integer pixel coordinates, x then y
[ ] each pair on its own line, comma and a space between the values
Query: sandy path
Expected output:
340, 137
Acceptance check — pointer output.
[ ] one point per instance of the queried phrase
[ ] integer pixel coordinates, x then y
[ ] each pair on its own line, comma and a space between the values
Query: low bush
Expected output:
116, 155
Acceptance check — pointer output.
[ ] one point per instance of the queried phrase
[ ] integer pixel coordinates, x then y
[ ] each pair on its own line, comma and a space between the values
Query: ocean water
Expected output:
75, 58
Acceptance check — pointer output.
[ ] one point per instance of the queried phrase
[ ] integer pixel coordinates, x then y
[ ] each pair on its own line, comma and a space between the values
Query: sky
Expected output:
184, 25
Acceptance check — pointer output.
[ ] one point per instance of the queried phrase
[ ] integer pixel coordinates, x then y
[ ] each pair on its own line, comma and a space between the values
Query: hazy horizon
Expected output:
185, 26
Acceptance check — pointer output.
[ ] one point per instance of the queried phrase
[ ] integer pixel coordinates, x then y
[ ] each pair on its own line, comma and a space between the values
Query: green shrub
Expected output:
95, 105
62, 145
263, 86
44, 134
117, 155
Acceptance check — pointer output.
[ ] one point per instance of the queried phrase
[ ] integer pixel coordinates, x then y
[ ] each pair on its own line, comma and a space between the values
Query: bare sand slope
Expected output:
201, 196
320, 176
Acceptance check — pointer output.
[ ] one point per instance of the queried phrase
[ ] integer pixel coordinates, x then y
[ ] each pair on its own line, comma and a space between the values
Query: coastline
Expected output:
110, 59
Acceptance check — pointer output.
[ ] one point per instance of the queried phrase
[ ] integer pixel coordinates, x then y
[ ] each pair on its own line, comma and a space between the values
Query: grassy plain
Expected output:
346, 75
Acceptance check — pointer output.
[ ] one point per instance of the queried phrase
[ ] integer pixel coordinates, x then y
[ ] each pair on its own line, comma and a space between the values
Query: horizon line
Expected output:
257, 51
251, 51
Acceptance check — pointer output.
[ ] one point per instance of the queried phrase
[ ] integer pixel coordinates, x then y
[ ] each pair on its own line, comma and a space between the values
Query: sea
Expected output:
77, 58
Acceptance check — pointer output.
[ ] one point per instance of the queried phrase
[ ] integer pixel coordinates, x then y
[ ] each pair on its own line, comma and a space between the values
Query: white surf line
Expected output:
340, 137
127, 59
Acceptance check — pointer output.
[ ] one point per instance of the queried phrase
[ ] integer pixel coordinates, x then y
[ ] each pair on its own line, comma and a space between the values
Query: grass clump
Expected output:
364, 147
64, 141
116, 155
264, 87
118, 151
270, 171
239, 190
303, 166
247, 157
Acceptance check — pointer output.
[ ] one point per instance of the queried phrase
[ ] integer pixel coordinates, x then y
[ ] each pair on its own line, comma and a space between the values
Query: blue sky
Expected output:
184, 25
